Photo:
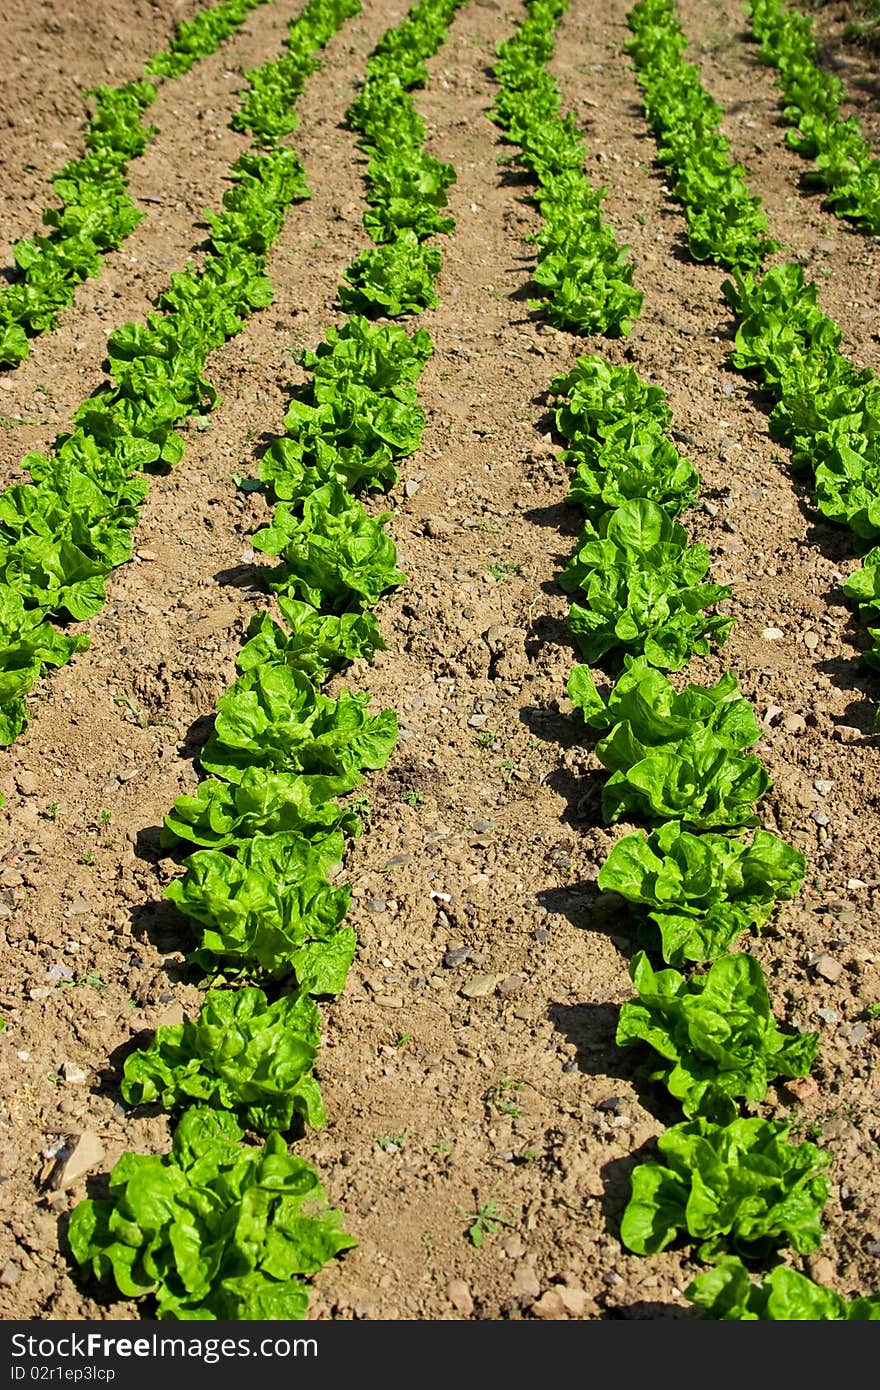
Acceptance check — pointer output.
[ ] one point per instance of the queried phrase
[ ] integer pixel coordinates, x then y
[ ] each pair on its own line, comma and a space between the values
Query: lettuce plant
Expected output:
316, 643
242, 1054
394, 279
214, 1230
270, 910
712, 1031
335, 556
642, 588
738, 1186
728, 1292
273, 717
222, 814
702, 891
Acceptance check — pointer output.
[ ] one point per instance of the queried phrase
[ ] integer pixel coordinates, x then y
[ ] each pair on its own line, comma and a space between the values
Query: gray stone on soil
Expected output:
456, 955
511, 984
610, 1105
828, 1015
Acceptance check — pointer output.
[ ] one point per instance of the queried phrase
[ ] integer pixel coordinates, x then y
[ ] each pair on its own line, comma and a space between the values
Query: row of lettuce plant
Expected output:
844, 164
64, 530
682, 114
700, 875
96, 213
583, 272
406, 186
270, 822
827, 408
678, 760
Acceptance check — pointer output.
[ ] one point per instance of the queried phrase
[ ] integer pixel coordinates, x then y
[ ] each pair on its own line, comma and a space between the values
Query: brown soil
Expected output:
484, 840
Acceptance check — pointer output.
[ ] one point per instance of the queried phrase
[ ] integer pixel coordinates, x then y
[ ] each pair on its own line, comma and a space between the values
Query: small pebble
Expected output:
511, 984
389, 1001
773, 634
478, 986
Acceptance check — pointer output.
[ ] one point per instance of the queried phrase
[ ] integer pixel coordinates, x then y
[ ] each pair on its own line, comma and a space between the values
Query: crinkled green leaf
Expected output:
703, 891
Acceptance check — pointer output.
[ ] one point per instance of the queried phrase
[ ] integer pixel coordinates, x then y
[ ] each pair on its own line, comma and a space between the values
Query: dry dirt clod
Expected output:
525, 1282
802, 1088
550, 1306
459, 1296
170, 1017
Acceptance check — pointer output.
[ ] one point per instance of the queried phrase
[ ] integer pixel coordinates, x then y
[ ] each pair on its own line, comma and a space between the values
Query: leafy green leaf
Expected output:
271, 909
272, 717
728, 1292
703, 890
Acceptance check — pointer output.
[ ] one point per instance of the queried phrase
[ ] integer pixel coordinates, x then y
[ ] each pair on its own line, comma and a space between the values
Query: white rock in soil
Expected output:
85, 1153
